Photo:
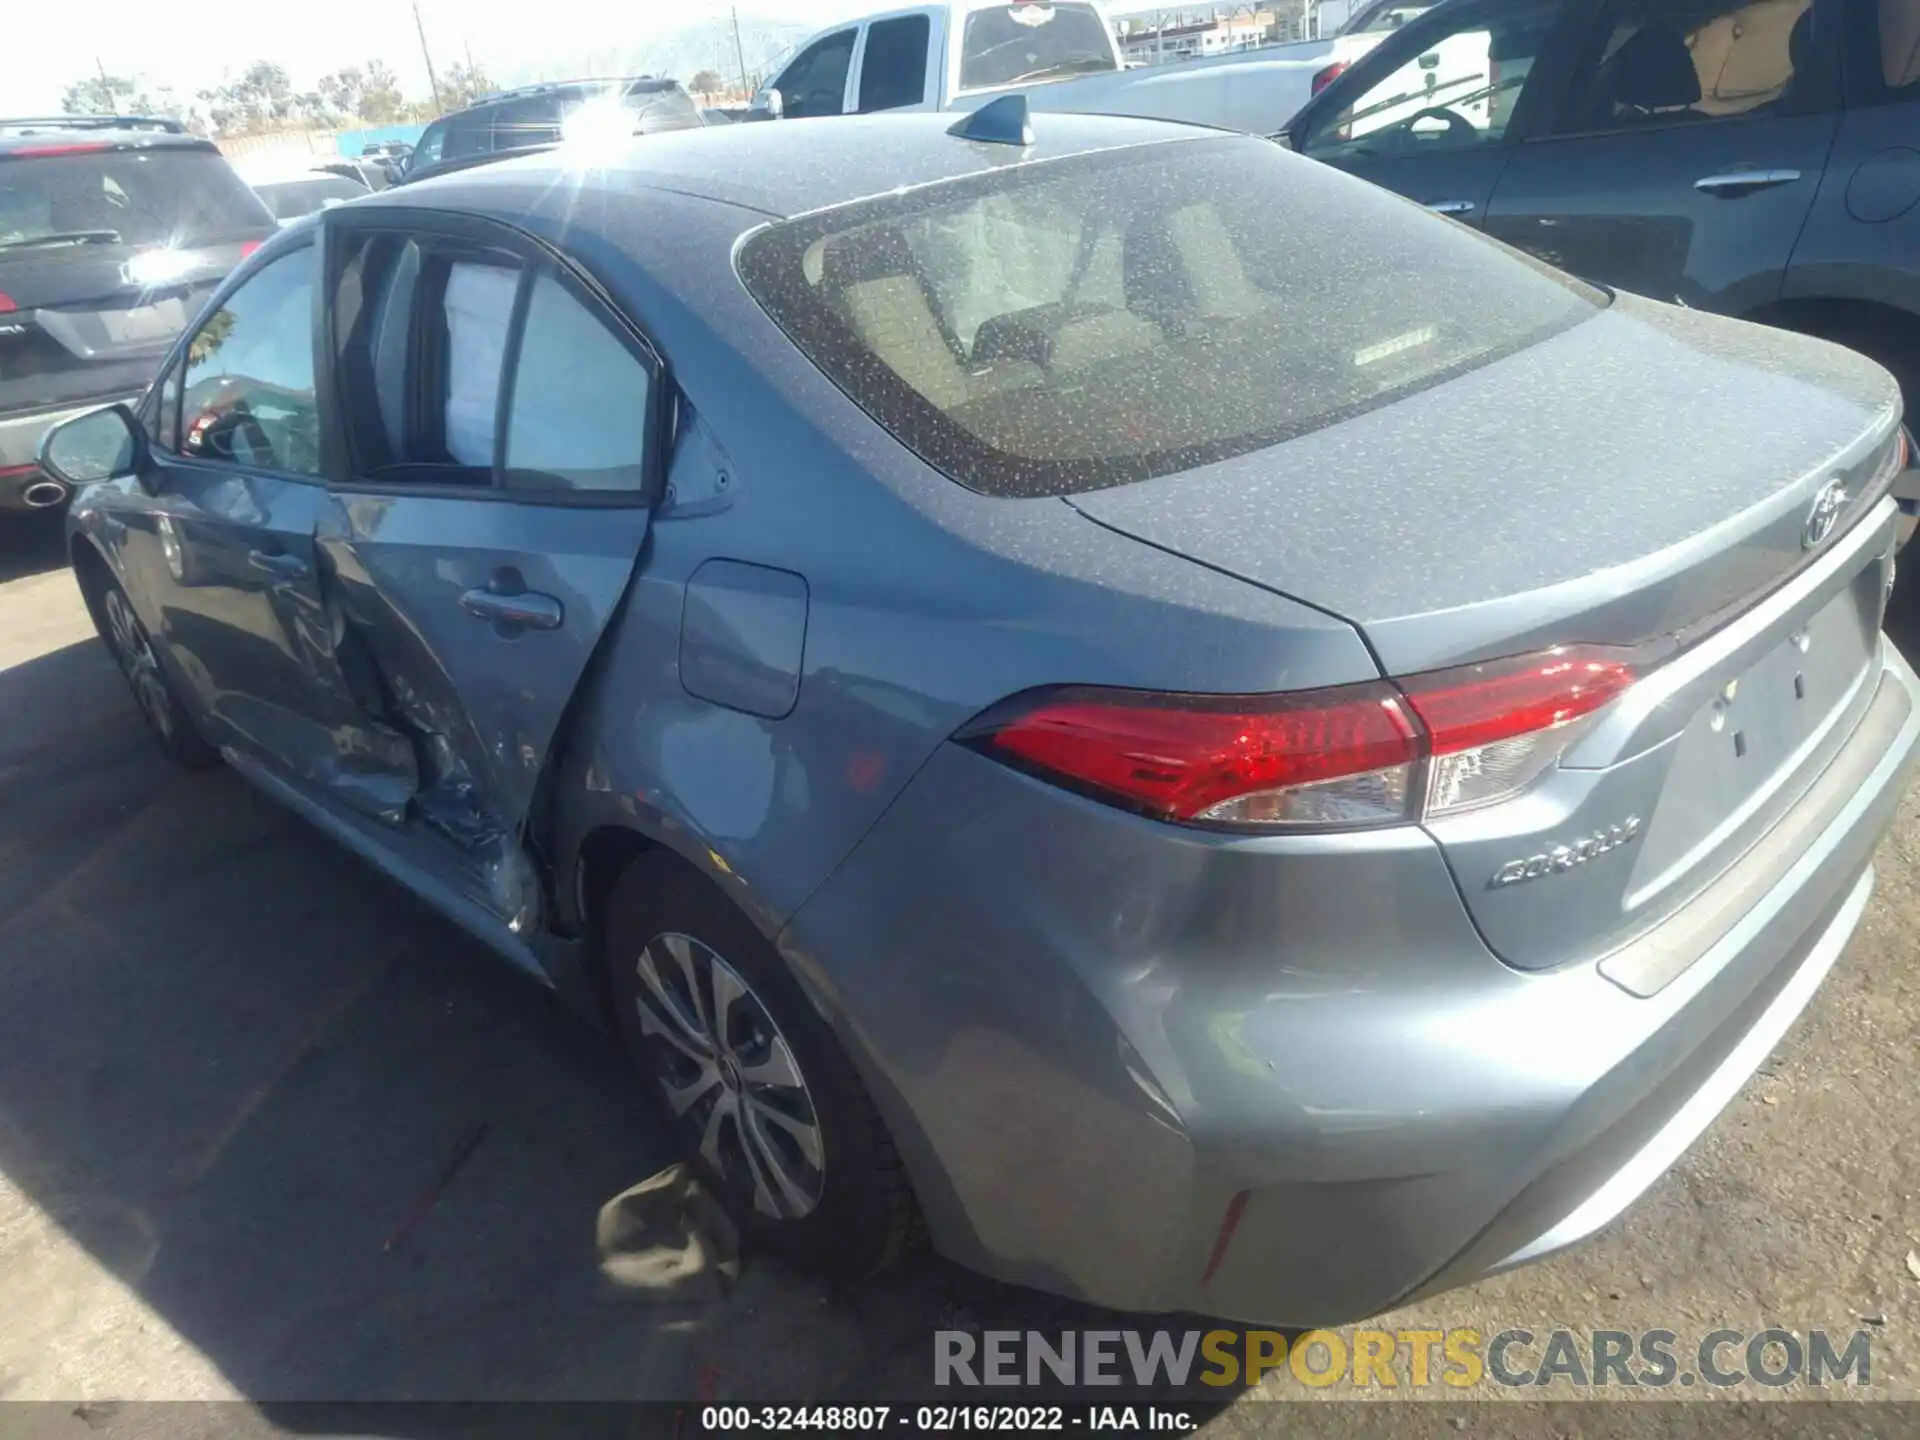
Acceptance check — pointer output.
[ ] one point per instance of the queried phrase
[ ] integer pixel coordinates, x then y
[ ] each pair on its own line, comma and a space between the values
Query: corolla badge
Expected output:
1825, 513
1562, 858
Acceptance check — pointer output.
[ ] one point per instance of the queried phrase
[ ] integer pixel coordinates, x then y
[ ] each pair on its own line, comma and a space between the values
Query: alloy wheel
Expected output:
726, 1068
135, 653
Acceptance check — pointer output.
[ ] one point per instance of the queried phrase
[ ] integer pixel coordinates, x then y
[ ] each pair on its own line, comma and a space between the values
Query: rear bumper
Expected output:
20, 437
1091, 1033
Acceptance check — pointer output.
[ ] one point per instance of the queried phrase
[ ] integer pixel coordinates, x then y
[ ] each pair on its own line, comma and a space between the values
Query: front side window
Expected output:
1009, 44
577, 419
432, 143
1657, 64
1059, 327
247, 395
816, 82
1458, 92
893, 71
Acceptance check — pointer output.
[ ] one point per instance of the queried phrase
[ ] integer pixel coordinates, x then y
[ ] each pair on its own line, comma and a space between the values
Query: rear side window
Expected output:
1900, 43
431, 145
1064, 326
1006, 44
161, 196
893, 70
577, 419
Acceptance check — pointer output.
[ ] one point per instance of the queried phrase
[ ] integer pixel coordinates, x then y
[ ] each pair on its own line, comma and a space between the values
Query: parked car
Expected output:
586, 112
111, 235
1756, 160
297, 189
960, 54
1224, 741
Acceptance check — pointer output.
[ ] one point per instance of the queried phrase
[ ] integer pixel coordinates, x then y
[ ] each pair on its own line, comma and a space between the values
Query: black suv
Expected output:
537, 116
113, 231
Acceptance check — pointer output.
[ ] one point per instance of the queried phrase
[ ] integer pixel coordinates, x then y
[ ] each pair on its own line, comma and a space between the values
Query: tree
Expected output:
116, 95
704, 82
463, 84
381, 102
344, 90
260, 99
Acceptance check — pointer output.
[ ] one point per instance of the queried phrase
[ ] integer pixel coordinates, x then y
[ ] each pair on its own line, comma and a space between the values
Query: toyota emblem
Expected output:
1825, 513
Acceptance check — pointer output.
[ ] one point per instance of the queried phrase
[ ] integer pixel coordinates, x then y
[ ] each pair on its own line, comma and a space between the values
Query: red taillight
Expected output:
1324, 78
249, 246
1477, 705
1377, 753
6, 303
69, 149
1207, 758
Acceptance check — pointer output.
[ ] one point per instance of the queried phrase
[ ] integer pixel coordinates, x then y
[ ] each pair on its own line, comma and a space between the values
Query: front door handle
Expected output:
1744, 182
279, 565
529, 609
1450, 207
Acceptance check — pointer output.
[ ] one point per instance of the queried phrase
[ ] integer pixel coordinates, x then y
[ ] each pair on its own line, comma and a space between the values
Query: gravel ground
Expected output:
233, 1059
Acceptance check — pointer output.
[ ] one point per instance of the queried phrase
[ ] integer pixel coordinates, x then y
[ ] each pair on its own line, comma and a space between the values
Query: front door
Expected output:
232, 550
1434, 111
1683, 159
490, 502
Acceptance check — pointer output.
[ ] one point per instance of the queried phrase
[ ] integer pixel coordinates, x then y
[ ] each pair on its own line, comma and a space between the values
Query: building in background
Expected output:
1162, 34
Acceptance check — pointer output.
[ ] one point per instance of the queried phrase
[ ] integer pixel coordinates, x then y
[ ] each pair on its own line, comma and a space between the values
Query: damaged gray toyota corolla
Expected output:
1019, 677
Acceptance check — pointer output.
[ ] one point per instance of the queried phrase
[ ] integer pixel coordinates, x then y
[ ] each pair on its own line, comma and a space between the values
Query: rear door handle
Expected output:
1744, 182
529, 609
1450, 207
279, 565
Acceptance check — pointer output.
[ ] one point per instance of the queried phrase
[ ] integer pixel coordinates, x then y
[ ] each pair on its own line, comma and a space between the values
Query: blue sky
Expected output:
513, 40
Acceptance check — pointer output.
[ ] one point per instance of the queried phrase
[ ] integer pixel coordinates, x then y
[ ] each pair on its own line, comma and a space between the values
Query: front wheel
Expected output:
767, 1104
159, 705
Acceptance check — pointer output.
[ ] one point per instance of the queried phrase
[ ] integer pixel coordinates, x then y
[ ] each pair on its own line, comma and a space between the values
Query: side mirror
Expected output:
769, 103
104, 444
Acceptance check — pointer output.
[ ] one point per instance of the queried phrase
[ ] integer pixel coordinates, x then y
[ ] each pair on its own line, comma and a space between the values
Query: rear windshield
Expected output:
177, 197
1073, 324
290, 199
1006, 44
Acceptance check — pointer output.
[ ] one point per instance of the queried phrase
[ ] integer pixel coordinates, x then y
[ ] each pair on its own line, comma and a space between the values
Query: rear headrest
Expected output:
877, 253
1654, 71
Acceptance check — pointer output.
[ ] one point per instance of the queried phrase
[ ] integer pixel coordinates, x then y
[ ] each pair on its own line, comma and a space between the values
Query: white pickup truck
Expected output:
1060, 53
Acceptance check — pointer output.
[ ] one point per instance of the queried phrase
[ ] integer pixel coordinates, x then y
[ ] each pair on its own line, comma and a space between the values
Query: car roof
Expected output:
781, 168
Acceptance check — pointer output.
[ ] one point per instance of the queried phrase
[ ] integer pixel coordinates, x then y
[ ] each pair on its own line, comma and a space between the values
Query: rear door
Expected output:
1436, 110
490, 494
893, 69
1683, 159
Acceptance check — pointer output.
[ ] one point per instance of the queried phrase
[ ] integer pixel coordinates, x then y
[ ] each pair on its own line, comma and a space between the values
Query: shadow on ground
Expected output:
234, 1061
31, 543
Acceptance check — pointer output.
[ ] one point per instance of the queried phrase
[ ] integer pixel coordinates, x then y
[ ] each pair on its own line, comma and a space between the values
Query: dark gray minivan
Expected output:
1760, 158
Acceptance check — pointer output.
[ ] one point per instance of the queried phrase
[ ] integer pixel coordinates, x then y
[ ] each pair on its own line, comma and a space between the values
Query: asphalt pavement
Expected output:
236, 1064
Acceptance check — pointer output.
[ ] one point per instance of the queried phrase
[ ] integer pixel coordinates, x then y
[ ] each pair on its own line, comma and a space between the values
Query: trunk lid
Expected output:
1649, 473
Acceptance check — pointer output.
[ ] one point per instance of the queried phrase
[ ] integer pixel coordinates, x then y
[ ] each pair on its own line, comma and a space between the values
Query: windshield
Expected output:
162, 196
1068, 325
1006, 44
290, 199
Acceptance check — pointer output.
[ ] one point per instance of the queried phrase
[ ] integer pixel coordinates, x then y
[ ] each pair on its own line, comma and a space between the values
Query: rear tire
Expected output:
770, 1109
168, 720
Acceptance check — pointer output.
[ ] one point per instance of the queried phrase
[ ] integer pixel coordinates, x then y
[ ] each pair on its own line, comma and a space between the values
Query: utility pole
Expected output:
106, 87
433, 82
739, 55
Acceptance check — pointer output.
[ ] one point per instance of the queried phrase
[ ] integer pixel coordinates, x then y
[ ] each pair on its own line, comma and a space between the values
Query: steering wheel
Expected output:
1460, 130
